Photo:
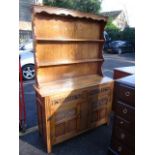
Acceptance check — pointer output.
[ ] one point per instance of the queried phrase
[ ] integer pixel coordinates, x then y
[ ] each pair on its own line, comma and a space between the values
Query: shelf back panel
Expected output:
48, 74
58, 27
47, 52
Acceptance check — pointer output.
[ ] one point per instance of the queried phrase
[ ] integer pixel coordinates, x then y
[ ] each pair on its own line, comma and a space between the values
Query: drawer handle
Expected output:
121, 122
127, 93
119, 149
125, 110
122, 136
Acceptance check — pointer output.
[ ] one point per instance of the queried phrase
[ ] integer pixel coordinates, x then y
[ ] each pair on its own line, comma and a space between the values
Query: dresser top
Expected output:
71, 84
130, 69
67, 12
129, 80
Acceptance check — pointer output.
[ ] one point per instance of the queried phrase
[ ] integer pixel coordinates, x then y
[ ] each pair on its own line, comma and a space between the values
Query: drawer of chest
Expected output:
126, 94
124, 124
125, 111
120, 148
124, 137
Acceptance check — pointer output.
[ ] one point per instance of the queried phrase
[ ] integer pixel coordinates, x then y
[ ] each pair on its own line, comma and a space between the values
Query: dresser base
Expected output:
66, 114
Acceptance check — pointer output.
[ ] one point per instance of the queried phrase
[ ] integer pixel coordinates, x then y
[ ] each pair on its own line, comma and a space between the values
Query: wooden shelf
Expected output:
44, 64
68, 40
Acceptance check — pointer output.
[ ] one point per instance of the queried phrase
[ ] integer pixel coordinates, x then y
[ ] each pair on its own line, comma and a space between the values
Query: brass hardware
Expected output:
119, 149
125, 110
121, 122
122, 135
127, 93
79, 116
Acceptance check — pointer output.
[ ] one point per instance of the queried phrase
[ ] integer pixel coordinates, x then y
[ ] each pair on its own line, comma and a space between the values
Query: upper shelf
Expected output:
67, 40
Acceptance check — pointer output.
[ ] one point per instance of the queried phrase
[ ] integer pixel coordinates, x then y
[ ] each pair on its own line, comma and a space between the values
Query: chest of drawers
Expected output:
123, 134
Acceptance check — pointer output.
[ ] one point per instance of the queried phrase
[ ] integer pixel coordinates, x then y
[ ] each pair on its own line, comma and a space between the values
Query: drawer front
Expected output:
124, 137
124, 124
125, 111
67, 98
126, 94
121, 149
106, 89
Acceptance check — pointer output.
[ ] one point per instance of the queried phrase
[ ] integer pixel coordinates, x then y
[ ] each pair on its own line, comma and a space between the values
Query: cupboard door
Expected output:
67, 120
98, 110
84, 116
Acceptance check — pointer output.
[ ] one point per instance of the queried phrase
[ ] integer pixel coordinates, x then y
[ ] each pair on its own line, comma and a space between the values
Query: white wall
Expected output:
125, 5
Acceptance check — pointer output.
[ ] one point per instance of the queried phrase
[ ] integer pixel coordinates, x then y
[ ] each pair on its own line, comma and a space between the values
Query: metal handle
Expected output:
121, 122
127, 93
125, 110
79, 116
122, 135
119, 149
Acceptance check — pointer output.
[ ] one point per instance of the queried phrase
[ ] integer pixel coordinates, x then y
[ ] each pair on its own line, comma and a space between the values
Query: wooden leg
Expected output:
48, 137
108, 120
47, 127
49, 148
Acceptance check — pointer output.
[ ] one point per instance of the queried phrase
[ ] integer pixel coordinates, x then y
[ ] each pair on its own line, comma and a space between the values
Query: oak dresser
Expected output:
72, 95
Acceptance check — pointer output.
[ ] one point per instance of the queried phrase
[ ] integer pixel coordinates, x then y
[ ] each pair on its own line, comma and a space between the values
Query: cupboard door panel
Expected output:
60, 129
71, 125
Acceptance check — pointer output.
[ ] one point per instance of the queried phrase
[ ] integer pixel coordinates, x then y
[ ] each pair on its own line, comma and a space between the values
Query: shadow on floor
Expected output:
93, 142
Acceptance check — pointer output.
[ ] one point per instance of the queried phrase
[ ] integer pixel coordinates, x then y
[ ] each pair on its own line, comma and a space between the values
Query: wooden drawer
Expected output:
126, 94
66, 98
124, 137
101, 90
125, 111
124, 124
121, 149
